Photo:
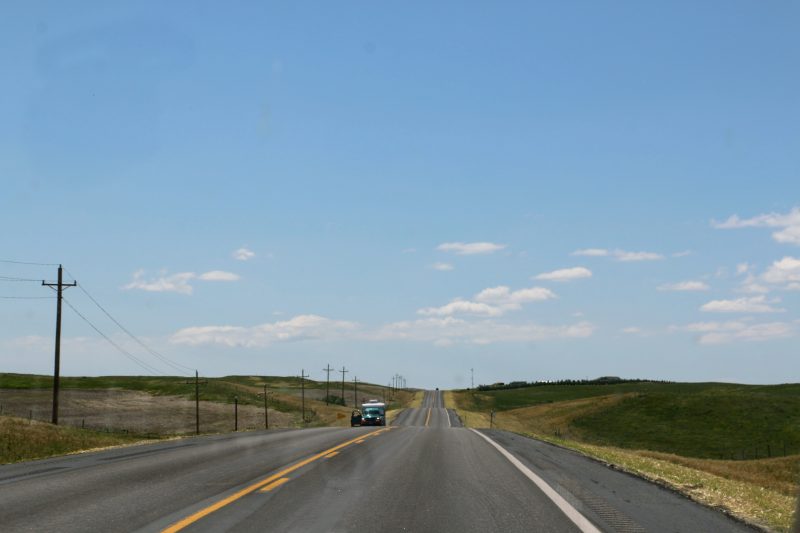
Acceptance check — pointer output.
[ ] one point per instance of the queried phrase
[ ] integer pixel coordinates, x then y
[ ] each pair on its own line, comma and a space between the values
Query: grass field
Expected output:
23, 440
703, 420
286, 397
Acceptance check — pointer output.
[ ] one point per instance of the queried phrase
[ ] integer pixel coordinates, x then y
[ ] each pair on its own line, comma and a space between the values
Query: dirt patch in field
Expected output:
135, 412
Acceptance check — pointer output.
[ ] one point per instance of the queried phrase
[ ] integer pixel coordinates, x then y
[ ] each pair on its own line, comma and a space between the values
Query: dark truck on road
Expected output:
373, 413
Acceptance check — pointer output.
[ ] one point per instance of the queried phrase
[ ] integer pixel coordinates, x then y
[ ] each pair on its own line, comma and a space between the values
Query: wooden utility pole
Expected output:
236, 413
266, 407
328, 369
197, 384
303, 377
60, 286
343, 371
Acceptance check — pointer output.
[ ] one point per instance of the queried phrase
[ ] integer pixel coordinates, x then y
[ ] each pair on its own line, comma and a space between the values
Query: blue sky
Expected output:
532, 190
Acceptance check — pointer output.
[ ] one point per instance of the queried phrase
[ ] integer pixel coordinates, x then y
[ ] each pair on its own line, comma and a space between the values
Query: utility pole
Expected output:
343, 371
266, 408
327, 369
303, 377
197, 384
355, 391
236, 413
60, 286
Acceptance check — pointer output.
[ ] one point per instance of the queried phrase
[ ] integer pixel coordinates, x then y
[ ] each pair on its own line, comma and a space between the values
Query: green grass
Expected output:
704, 420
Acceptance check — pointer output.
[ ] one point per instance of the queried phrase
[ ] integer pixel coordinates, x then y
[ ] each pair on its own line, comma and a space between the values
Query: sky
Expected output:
446, 191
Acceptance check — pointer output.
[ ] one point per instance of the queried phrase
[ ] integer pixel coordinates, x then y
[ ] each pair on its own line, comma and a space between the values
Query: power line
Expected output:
12, 278
124, 352
164, 359
27, 263
28, 297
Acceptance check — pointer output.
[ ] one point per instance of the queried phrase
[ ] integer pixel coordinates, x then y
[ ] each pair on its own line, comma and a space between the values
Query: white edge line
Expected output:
447, 414
573, 514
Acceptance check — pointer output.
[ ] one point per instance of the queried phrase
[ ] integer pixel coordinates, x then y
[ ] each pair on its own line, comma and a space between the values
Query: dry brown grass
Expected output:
24, 440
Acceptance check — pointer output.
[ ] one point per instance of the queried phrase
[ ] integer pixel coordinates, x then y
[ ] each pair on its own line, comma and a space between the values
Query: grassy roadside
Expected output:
761, 492
23, 440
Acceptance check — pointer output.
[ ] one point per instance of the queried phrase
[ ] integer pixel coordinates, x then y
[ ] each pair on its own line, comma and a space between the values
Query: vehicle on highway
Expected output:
373, 413
355, 418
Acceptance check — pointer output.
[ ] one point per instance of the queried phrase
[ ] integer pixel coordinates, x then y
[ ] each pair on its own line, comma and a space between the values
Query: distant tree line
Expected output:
603, 380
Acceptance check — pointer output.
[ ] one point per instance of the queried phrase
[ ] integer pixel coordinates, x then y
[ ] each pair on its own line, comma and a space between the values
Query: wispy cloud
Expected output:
449, 330
754, 304
167, 283
619, 255
178, 283
687, 286
302, 327
470, 248
462, 307
243, 254
788, 224
443, 267
725, 332
565, 274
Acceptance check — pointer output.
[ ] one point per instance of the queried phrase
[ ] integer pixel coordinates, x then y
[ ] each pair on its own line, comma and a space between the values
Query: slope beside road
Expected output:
424, 473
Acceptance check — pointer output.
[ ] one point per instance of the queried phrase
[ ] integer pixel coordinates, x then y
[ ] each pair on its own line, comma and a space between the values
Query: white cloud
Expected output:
754, 304
503, 296
462, 306
175, 283
566, 274
687, 286
443, 267
684, 253
631, 330
724, 332
449, 330
471, 248
592, 252
178, 283
742, 268
786, 270
619, 255
788, 223
302, 327
243, 254
218, 275
491, 302
622, 255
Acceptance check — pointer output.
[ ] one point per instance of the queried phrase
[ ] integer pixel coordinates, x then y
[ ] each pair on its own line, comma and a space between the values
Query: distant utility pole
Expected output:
266, 407
236, 413
197, 384
355, 391
327, 369
343, 371
59, 287
303, 377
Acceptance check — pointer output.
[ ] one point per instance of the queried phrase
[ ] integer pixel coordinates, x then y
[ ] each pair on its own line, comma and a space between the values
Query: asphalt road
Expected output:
424, 473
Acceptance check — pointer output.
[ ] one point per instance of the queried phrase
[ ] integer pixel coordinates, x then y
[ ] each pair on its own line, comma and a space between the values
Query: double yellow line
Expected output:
189, 520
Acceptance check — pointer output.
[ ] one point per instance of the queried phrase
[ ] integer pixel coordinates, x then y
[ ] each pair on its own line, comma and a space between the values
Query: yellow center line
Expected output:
274, 484
191, 519
429, 417
332, 454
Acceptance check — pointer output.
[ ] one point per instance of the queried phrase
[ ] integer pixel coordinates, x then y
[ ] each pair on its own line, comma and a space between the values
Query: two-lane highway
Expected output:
423, 473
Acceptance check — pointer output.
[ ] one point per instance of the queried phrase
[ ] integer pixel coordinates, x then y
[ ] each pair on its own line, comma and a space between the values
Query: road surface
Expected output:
424, 473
